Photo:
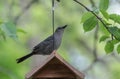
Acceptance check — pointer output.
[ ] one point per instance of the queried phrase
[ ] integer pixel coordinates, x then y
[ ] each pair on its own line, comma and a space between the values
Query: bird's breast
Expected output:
57, 41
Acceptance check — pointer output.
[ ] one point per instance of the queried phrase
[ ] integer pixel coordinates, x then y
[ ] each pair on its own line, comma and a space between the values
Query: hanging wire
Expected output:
53, 8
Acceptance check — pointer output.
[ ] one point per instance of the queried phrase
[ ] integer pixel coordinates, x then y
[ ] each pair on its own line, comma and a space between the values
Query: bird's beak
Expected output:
64, 26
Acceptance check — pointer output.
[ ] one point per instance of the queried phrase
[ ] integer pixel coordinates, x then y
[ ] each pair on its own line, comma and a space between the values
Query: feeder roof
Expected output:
57, 56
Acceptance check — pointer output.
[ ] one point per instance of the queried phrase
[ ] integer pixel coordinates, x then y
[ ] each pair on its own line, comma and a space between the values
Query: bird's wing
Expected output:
42, 45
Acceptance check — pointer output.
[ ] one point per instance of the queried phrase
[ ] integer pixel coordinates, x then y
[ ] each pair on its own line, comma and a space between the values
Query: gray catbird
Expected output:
46, 47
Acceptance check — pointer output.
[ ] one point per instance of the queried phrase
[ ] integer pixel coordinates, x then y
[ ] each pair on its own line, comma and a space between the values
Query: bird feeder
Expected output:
54, 67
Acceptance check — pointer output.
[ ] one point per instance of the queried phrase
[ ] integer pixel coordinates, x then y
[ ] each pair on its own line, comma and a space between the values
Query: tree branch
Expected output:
90, 66
10, 16
23, 11
100, 60
93, 14
115, 56
95, 35
95, 43
93, 3
84, 44
95, 55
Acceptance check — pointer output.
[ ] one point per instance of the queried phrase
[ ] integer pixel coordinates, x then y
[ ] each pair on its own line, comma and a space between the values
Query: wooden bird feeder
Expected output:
54, 67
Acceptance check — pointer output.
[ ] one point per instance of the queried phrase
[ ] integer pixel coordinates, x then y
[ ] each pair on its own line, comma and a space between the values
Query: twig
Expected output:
95, 42
90, 66
84, 44
23, 11
116, 57
100, 60
93, 3
93, 14
95, 35
10, 10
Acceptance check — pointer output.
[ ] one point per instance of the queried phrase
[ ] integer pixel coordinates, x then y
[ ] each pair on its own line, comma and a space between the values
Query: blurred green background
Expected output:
33, 23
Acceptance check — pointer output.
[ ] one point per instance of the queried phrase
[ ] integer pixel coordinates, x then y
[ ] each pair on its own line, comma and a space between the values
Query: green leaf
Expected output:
118, 49
104, 5
115, 18
89, 24
114, 41
115, 31
105, 14
103, 29
21, 30
109, 47
86, 16
103, 38
9, 29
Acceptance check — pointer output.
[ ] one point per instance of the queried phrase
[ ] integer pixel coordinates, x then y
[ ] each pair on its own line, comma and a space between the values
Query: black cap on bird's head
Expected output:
64, 26
61, 28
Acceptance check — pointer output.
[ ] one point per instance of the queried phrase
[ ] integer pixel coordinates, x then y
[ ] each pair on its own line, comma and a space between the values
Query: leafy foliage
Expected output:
103, 38
9, 29
109, 47
115, 31
90, 20
86, 16
89, 24
115, 18
118, 48
105, 14
114, 41
104, 5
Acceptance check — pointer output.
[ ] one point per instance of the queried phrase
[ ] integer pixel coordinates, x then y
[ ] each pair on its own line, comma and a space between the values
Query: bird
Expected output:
47, 46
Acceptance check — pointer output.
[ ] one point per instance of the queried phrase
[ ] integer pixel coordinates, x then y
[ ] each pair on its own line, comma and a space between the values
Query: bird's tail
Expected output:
19, 60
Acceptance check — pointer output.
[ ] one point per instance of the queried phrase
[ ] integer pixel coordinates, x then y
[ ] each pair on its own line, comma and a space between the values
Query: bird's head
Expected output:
61, 28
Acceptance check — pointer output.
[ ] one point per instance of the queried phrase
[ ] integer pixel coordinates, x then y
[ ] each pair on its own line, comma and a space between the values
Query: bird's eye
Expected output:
60, 27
